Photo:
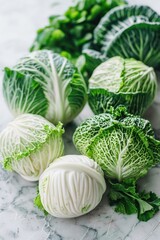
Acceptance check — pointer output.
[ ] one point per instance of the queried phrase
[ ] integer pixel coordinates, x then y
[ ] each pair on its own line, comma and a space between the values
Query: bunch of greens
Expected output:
47, 84
72, 32
125, 148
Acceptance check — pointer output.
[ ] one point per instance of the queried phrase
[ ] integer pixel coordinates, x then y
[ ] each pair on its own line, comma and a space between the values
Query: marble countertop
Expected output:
19, 219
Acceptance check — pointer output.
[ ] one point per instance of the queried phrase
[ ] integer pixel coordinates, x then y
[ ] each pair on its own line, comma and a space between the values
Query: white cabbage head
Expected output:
71, 186
29, 144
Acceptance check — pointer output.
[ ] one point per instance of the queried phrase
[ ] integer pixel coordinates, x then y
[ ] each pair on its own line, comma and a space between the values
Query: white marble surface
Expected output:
18, 217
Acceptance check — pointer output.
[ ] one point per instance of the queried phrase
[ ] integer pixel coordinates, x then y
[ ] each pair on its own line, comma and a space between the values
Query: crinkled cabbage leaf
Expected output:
123, 145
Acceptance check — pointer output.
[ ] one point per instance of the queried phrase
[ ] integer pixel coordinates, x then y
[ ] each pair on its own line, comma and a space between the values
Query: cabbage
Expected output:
71, 186
130, 31
46, 84
119, 81
29, 144
124, 146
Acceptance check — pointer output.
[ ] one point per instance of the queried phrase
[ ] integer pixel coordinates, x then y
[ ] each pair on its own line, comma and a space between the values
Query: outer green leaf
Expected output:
121, 18
144, 206
130, 31
100, 101
144, 47
114, 196
154, 145
76, 96
130, 201
129, 207
93, 59
23, 93
151, 202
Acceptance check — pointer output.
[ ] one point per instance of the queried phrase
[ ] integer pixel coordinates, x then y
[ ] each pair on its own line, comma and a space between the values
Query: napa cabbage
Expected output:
71, 186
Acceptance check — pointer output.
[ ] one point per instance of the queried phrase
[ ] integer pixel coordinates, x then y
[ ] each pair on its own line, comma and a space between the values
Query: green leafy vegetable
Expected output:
73, 29
122, 144
29, 144
47, 84
128, 201
88, 130
119, 81
130, 31
125, 148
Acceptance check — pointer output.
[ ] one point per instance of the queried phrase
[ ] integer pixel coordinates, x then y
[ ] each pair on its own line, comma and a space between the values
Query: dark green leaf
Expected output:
128, 200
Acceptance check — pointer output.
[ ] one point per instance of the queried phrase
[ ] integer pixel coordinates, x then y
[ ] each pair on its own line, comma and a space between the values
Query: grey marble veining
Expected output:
19, 219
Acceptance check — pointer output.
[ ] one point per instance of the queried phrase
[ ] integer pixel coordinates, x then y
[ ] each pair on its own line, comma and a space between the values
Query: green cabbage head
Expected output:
131, 31
46, 84
123, 145
29, 144
122, 82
